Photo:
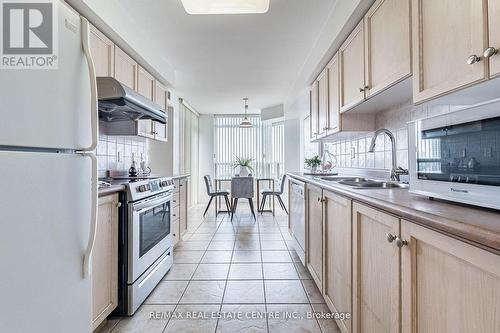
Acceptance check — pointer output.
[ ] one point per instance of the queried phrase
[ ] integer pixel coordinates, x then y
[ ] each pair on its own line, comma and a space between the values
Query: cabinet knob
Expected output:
401, 242
361, 89
390, 237
118, 204
473, 59
489, 52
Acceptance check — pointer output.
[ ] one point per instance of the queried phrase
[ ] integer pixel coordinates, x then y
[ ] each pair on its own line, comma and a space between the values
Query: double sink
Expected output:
359, 182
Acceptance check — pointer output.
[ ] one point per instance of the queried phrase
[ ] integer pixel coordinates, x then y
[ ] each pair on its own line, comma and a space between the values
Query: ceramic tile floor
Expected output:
241, 270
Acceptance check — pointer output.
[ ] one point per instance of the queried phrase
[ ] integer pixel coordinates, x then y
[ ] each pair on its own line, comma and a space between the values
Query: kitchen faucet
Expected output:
395, 170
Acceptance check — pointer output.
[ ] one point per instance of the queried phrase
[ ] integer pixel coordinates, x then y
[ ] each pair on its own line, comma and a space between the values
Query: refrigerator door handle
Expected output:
85, 29
87, 262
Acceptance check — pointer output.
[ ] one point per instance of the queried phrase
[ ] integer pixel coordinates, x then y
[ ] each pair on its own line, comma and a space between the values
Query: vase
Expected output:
244, 171
314, 169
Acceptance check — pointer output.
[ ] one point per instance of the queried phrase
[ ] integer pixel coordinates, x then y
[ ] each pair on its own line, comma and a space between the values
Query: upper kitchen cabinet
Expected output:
322, 103
493, 51
447, 285
313, 111
103, 53
387, 44
449, 39
145, 84
333, 95
161, 99
125, 69
352, 64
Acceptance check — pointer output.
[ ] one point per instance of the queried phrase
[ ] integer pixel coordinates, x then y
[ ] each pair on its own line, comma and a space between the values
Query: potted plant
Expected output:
313, 163
245, 166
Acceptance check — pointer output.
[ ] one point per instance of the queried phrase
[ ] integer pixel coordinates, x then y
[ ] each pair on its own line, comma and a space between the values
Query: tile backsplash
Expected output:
353, 152
115, 153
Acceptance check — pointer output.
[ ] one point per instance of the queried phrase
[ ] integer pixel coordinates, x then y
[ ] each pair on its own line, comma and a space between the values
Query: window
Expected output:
262, 142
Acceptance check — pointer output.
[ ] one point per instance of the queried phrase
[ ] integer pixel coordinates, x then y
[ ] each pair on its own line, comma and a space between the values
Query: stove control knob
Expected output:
142, 188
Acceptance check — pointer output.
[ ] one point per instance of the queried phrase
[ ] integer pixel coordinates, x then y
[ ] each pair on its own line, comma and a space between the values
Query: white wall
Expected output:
206, 153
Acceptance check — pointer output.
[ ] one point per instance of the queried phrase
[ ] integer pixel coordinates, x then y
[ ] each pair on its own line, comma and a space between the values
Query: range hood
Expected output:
118, 102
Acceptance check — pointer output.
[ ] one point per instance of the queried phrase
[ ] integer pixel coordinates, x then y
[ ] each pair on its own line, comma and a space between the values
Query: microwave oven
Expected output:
456, 156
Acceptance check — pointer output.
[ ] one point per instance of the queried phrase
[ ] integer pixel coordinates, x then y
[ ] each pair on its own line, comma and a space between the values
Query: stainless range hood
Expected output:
118, 102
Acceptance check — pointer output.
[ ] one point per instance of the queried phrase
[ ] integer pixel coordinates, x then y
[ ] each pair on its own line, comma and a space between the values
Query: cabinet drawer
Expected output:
174, 214
175, 199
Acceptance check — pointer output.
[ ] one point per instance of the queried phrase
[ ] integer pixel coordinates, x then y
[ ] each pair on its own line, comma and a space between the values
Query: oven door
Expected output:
149, 233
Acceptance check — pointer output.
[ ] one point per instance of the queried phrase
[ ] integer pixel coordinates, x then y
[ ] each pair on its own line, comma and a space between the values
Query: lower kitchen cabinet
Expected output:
183, 205
376, 271
314, 234
338, 256
105, 261
447, 285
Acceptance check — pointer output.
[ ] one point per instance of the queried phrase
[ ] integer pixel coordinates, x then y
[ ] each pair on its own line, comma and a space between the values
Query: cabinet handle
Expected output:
118, 204
489, 52
361, 89
390, 237
401, 242
473, 59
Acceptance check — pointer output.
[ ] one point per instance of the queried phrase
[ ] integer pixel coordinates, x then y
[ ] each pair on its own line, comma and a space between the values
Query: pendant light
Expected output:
246, 123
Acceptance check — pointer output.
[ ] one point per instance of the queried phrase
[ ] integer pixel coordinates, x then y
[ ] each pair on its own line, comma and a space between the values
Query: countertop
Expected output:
103, 191
179, 176
477, 226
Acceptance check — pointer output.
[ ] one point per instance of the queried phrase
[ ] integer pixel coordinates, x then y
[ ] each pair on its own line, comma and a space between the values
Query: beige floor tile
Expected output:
187, 257
203, 292
298, 324
284, 271
313, 292
192, 245
302, 271
294, 255
217, 257
285, 291
327, 325
221, 245
248, 291
108, 325
211, 272
241, 318
201, 237
167, 292
180, 272
247, 237
142, 321
271, 236
246, 256
273, 245
276, 256
245, 271
184, 322
224, 237
249, 245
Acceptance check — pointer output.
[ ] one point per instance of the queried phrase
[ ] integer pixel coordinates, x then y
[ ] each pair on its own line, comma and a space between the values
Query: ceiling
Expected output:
219, 59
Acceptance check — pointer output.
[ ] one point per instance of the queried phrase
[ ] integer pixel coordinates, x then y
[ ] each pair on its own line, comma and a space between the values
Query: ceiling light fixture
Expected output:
246, 123
200, 7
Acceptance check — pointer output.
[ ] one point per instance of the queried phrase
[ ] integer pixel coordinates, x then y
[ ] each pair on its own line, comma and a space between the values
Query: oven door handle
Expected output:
151, 204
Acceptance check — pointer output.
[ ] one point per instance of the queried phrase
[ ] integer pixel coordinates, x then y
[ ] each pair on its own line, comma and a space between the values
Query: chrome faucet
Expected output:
395, 170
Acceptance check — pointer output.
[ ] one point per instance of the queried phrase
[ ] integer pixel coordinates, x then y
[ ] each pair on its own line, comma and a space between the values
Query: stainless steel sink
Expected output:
339, 179
366, 183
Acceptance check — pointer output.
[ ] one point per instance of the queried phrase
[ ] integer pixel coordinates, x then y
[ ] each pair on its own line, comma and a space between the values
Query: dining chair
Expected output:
277, 194
242, 188
214, 194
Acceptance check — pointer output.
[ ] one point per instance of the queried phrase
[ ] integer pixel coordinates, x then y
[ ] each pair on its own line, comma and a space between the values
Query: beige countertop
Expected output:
179, 176
477, 226
110, 190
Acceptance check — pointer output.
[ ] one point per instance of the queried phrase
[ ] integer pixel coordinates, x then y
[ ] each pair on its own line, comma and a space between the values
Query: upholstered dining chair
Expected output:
242, 188
277, 194
214, 194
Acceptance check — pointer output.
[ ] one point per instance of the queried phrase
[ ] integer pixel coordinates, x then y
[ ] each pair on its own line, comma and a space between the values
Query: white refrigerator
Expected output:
48, 188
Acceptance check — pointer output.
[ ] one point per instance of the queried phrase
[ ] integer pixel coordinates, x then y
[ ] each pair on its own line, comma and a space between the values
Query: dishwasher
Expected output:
297, 217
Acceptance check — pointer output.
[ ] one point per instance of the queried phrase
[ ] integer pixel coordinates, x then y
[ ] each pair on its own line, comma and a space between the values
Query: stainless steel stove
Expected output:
146, 242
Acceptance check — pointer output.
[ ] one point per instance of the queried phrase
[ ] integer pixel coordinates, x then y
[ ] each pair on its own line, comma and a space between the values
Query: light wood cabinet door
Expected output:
448, 286
146, 84
145, 128
352, 69
445, 34
175, 231
314, 235
313, 111
160, 130
323, 102
183, 205
125, 69
387, 44
376, 272
494, 35
333, 95
103, 53
105, 261
337, 286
